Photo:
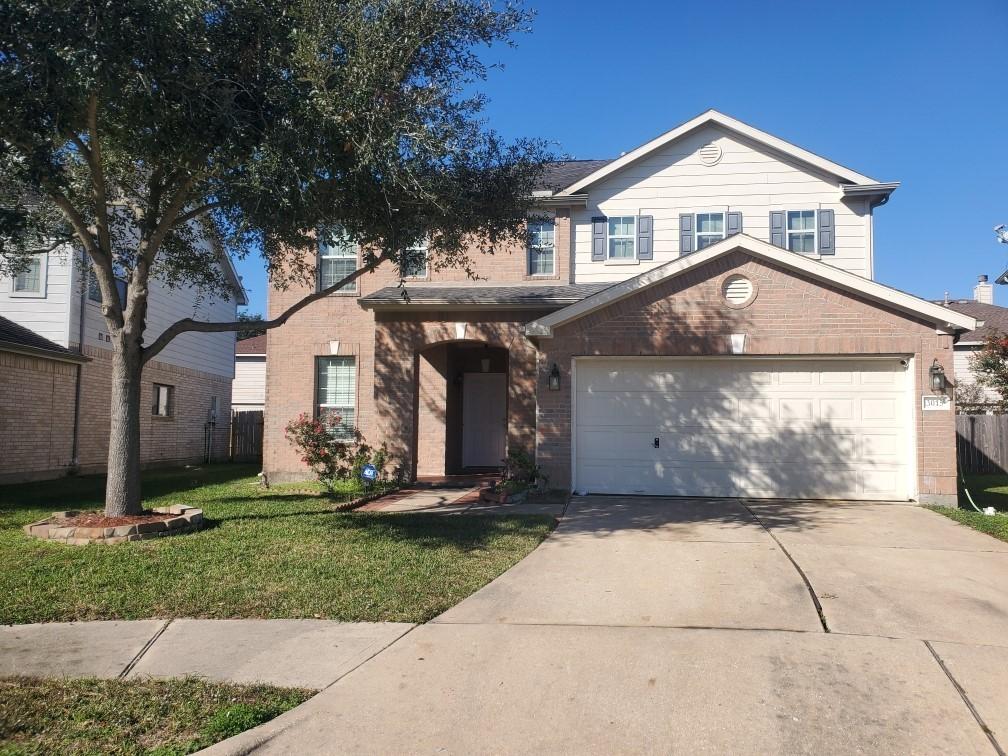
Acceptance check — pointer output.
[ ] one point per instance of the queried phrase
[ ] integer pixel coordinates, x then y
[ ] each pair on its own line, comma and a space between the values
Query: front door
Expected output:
484, 419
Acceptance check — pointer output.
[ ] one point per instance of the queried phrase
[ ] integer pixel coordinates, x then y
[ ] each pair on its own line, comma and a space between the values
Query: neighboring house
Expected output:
248, 390
990, 319
186, 394
697, 318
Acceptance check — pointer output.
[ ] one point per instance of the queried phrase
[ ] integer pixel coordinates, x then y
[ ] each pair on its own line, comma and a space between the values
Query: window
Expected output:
32, 282
94, 291
801, 231
414, 261
164, 400
622, 238
709, 229
541, 257
337, 260
336, 392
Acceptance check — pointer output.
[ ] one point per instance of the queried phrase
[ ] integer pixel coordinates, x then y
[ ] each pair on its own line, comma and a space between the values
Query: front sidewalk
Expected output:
291, 653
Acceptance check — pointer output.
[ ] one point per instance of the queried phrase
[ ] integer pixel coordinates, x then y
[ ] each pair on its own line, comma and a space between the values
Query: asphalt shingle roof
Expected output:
14, 335
532, 295
251, 345
995, 318
559, 176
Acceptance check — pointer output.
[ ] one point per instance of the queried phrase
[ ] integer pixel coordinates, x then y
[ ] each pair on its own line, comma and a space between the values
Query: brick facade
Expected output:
790, 315
37, 415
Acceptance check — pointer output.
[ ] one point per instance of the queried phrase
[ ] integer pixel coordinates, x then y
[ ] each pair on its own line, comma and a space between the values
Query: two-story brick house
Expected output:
697, 317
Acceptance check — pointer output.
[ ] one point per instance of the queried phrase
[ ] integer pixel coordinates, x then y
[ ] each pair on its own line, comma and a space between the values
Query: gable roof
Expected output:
16, 338
941, 316
713, 117
990, 319
556, 176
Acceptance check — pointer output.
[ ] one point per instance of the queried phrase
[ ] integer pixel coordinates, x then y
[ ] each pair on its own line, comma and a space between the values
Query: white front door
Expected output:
484, 419
760, 427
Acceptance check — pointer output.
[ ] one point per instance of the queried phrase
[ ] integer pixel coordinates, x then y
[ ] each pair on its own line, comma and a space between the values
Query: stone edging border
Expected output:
188, 519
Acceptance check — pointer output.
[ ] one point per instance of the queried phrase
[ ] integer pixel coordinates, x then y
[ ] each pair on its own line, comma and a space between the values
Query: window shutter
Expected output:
827, 240
645, 237
598, 238
733, 224
777, 234
685, 234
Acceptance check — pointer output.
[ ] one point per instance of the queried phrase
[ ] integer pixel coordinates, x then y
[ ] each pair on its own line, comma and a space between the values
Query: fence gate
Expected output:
247, 436
982, 443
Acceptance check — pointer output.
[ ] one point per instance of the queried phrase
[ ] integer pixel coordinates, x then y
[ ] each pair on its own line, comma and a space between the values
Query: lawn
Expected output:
266, 554
987, 491
131, 717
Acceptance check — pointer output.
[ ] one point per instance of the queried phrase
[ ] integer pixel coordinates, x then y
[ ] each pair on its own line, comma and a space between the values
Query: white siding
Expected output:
964, 371
248, 389
46, 315
748, 178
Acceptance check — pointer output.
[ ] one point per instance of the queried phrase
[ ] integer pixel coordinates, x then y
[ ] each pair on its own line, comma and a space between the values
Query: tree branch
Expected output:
189, 325
192, 214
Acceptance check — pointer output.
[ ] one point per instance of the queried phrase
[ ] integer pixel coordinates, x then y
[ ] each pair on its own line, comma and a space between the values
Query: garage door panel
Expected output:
762, 428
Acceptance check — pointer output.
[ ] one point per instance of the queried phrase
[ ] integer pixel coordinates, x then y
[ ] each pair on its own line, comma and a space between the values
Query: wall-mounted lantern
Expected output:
937, 373
554, 378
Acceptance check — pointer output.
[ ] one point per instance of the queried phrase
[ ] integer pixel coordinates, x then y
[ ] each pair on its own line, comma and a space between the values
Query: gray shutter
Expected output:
778, 237
685, 234
733, 224
827, 233
598, 238
645, 237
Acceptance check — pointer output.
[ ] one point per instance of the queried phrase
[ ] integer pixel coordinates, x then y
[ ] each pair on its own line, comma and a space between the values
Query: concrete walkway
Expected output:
648, 625
293, 653
450, 501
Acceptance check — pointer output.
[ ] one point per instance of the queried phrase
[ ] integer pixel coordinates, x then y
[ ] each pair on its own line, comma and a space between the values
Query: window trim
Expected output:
815, 231
351, 288
317, 405
697, 234
41, 293
530, 248
609, 259
170, 404
423, 244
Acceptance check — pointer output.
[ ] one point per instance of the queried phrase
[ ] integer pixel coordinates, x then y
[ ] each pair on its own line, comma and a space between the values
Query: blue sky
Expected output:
909, 90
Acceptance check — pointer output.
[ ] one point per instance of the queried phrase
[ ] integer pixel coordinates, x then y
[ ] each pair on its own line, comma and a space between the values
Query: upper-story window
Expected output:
414, 260
94, 290
337, 260
622, 237
801, 231
710, 229
32, 281
542, 258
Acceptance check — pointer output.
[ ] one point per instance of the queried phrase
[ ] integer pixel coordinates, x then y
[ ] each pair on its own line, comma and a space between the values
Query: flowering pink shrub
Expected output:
331, 457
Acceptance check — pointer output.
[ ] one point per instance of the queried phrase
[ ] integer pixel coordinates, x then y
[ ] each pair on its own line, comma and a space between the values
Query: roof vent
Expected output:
710, 154
737, 290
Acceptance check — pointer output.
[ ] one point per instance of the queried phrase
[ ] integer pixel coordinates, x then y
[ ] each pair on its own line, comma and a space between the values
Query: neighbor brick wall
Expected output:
791, 315
37, 415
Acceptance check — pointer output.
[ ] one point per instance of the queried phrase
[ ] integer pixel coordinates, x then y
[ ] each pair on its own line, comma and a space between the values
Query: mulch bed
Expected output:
98, 520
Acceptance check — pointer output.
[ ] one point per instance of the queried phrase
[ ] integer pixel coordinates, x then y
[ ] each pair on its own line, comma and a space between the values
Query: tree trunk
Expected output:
122, 490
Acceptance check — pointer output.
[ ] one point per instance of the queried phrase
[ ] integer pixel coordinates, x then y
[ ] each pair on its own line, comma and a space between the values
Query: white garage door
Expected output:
833, 429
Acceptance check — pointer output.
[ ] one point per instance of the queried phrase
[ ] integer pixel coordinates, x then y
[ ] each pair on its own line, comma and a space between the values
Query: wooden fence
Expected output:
982, 443
247, 436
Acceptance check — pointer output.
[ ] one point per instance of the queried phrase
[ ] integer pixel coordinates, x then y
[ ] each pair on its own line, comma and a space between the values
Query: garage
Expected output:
754, 427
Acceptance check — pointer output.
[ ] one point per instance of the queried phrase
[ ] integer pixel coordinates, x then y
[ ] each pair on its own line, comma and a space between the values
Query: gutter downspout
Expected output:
75, 449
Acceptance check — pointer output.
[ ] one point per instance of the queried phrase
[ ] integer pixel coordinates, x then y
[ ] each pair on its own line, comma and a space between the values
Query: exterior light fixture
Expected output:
554, 378
937, 373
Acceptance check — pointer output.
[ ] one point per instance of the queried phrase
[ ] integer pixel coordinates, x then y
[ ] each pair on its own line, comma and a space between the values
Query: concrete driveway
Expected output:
657, 625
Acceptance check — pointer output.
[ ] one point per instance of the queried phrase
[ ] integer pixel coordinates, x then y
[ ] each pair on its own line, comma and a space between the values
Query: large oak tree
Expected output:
159, 135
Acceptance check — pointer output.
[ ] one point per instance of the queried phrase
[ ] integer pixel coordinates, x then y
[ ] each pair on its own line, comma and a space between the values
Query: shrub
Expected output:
335, 456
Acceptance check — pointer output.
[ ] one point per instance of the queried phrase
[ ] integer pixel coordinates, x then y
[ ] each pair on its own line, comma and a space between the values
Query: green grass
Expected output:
987, 491
265, 554
131, 717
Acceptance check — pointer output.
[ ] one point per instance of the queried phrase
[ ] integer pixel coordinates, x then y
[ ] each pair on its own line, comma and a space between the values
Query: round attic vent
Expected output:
710, 154
737, 290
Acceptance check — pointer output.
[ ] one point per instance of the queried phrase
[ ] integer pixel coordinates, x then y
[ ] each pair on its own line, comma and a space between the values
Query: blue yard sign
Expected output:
369, 473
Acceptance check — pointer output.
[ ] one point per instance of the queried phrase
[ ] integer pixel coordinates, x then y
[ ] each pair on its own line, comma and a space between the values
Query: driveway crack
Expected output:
966, 700
801, 572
